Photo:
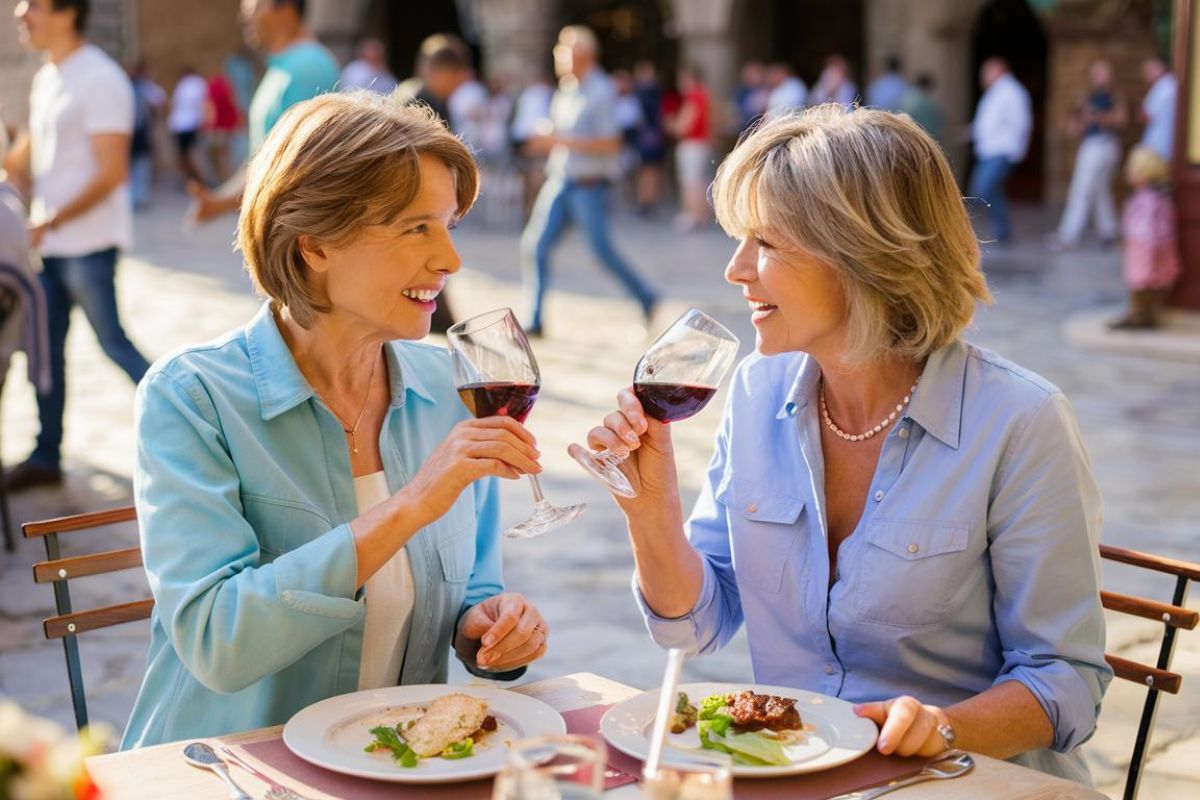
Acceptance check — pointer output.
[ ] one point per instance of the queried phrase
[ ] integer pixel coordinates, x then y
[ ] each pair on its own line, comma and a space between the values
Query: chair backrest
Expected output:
1173, 617
67, 623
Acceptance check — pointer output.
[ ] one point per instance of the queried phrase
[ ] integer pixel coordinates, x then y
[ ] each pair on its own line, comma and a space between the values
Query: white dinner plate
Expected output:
836, 736
332, 733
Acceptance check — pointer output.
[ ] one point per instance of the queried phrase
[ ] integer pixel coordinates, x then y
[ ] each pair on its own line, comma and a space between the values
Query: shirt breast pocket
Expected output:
282, 525
455, 536
763, 533
908, 570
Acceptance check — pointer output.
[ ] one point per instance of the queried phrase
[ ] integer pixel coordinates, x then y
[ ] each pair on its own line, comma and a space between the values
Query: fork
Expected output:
276, 790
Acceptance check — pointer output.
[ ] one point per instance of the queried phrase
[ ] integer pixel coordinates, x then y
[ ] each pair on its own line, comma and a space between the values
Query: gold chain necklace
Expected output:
858, 437
354, 430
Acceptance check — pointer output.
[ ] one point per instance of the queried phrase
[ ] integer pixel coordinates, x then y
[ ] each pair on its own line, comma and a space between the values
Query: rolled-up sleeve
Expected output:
717, 614
1043, 530
232, 618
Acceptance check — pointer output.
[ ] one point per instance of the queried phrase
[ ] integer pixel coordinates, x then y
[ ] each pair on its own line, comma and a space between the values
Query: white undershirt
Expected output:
389, 601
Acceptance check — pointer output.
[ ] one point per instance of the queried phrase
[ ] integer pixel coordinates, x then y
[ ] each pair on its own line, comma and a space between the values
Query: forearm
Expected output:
670, 572
381, 532
99, 188
1001, 722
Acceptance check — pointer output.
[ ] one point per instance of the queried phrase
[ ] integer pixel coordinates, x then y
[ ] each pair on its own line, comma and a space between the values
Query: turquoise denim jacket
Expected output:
244, 495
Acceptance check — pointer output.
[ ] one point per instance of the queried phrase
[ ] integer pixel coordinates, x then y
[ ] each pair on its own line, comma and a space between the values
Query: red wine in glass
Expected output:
499, 399
671, 402
673, 380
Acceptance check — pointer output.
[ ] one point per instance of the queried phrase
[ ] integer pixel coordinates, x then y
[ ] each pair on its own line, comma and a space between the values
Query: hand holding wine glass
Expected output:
674, 379
497, 376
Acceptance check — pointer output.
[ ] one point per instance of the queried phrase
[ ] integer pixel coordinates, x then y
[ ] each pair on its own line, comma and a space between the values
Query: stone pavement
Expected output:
1140, 419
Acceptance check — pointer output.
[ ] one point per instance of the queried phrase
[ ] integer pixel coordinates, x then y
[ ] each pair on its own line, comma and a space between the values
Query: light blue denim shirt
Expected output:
244, 494
975, 560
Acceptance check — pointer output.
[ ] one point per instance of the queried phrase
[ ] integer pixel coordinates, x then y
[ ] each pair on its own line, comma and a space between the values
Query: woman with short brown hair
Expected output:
318, 512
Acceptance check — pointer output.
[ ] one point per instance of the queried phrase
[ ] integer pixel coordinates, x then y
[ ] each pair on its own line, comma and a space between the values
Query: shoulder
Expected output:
99, 68
1005, 381
223, 360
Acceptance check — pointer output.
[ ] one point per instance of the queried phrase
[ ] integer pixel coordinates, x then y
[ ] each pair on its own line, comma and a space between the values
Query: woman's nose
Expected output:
740, 268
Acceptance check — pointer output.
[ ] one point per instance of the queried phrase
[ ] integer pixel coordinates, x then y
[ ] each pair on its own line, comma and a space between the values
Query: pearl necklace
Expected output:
858, 437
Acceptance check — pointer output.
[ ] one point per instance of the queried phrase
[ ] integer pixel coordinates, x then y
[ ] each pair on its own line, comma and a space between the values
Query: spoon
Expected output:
198, 754
951, 764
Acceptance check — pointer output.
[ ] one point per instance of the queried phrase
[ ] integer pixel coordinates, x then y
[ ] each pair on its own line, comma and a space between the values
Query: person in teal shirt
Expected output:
318, 511
298, 68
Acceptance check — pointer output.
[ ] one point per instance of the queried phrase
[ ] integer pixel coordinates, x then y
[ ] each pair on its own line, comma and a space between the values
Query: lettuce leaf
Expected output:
763, 749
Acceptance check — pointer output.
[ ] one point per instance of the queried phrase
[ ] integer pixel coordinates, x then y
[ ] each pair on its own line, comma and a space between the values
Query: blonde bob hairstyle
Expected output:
870, 194
330, 167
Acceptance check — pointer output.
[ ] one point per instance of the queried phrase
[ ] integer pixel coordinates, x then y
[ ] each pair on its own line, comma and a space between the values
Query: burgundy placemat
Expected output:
870, 769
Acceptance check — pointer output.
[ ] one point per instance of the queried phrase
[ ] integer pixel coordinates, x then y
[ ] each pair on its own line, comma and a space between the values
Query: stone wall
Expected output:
199, 33
17, 66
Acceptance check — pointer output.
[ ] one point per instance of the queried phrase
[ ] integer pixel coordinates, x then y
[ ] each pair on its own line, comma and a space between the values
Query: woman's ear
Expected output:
313, 253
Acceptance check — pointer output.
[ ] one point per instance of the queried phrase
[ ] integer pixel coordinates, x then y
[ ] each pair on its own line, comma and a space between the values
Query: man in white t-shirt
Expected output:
788, 93
188, 104
1158, 108
75, 162
1001, 129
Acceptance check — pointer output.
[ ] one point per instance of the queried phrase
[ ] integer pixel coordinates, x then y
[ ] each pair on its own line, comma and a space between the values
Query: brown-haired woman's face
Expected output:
389, 276
796, 301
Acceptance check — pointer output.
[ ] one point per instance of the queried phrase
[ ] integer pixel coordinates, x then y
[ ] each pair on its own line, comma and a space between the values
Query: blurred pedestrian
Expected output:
532, 113
1151, 241
221, 123
583, 151
652, 138
835, 84
449, 77
889, 89
1001, 129
1158, 108
76, 159
1097, 121
298, 68
369, 70
629, 120
919, 104
185, 120
750, 97
693, 149
149, 99
788, 92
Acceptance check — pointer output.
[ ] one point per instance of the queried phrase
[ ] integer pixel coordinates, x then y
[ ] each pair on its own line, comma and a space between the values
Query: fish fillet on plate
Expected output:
448, 719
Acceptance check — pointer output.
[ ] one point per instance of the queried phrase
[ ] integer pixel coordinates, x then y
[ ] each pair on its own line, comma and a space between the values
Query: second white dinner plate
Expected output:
836, 735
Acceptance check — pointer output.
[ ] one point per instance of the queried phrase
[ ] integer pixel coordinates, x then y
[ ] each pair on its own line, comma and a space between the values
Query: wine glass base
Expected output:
603, 466
545, 518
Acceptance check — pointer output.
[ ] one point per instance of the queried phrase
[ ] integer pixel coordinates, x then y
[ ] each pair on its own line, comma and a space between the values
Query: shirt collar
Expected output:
936, 406
281, 386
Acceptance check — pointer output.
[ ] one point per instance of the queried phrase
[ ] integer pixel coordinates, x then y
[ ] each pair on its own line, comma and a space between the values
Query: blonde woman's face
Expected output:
389, 277
795, 301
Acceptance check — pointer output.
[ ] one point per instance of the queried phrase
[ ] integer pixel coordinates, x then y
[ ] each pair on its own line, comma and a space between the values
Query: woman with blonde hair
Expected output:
318, 512
898, 517
1151, 264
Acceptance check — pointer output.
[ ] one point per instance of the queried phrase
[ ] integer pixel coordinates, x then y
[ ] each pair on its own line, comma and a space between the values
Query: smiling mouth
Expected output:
755, 306
421, 295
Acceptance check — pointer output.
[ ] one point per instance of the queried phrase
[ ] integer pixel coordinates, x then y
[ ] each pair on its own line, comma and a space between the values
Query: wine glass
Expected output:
566, 767
497, 375
674, 379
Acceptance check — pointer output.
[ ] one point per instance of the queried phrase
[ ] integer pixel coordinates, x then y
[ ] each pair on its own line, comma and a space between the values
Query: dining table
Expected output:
160, 771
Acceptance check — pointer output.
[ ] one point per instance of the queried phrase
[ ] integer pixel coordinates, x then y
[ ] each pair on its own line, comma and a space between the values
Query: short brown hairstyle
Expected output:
330, 167
870, 194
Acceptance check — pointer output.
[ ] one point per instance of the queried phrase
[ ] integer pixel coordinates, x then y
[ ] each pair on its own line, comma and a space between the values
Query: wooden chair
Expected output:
1157, 678
68, 624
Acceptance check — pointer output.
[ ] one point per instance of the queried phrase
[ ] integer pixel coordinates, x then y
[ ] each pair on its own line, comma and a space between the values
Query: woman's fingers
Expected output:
501, 423
918, 733
503, 452
901, 714
631, 407
531, 651
517, 640
605, 439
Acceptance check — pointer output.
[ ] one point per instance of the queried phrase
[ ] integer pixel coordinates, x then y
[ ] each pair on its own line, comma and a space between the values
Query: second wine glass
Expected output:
497, 375
673, 380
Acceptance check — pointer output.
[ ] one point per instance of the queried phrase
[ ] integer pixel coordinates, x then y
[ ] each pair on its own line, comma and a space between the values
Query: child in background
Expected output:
1151, 248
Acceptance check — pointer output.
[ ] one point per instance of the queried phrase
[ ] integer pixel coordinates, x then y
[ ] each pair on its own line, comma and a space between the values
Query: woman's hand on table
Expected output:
502, 633
907, 727
474, 449
646, 444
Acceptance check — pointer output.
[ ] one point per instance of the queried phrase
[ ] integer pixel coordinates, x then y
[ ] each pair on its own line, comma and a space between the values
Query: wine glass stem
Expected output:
538, 497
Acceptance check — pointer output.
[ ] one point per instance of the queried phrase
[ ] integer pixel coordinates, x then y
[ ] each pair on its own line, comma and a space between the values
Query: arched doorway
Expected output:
1010, 29
629, 31
402, 26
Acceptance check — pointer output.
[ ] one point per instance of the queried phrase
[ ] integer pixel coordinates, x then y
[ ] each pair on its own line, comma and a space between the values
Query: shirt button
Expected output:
287, 597
903, 433
878, 495
751, 508
829, 669
912, 548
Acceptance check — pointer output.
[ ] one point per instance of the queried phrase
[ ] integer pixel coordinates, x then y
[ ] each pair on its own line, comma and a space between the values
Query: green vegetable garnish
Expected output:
387, 738
460, 749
